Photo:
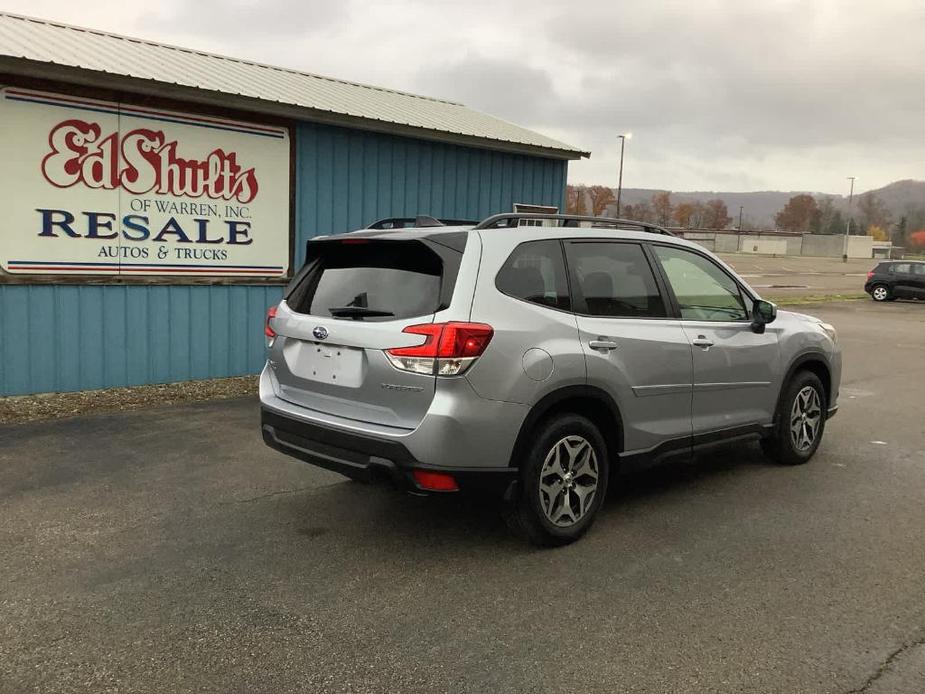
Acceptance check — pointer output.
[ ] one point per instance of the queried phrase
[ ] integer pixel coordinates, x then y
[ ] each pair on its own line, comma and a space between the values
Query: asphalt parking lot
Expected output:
789, 276
168, 550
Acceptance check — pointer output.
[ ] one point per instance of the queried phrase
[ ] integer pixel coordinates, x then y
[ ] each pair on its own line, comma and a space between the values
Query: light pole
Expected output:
623, 139
848, 224
740, 217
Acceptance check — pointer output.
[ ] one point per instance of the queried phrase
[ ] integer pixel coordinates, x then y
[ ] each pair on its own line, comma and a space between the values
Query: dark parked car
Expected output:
896, 279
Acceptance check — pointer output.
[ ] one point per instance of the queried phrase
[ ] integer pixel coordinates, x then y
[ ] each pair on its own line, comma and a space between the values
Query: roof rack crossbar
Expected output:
505, 220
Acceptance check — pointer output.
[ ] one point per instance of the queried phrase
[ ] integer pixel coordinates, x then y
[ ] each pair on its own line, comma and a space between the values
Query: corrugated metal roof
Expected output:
35, 43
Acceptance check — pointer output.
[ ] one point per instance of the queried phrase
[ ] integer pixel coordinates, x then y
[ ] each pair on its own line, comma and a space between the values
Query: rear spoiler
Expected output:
421, 221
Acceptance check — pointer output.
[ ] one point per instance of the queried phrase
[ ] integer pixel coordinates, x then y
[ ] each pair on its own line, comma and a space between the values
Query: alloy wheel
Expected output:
880, 293
568, 481
805, 418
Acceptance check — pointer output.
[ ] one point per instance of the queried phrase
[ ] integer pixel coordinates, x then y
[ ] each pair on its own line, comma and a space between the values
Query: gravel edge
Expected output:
31, 408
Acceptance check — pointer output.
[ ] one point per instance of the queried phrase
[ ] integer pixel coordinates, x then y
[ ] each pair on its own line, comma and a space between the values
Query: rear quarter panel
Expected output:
527, 337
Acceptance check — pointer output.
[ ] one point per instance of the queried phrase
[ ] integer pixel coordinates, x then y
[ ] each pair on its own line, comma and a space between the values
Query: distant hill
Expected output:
902, 198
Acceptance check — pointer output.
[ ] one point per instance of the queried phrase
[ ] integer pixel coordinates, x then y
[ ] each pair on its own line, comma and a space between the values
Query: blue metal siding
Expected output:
76, 337
349, 178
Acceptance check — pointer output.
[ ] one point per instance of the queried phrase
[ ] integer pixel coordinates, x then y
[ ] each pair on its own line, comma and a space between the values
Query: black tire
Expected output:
881, 292
526, 515
781, 446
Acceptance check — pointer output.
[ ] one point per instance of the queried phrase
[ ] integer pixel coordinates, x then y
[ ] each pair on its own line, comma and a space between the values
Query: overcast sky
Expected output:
734, 96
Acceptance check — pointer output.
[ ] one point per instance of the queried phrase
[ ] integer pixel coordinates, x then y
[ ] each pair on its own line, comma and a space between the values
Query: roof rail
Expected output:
513, 219
418, 222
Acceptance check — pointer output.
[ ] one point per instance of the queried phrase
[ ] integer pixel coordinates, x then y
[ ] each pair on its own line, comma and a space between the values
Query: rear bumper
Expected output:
369, 458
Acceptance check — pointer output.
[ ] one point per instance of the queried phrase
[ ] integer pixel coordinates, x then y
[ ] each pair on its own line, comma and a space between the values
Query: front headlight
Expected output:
830, 331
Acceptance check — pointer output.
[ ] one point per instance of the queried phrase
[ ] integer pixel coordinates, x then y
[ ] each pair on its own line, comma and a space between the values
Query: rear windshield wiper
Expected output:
357, 312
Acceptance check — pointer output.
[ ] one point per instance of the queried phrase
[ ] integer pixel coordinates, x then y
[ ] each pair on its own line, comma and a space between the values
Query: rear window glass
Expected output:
367, 280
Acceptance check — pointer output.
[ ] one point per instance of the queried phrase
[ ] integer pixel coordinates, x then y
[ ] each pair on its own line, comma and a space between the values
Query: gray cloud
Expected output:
277, 18
782, 74
721, 94
505, 88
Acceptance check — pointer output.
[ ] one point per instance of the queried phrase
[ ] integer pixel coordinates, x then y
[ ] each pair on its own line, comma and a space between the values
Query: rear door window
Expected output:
902, 268
535, 272
372, 280
614, 279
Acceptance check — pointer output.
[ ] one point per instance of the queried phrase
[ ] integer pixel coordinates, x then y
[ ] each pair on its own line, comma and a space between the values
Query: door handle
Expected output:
602, 345
702, 341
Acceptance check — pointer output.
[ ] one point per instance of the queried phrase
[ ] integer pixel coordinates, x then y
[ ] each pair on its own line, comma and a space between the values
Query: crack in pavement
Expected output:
885, 665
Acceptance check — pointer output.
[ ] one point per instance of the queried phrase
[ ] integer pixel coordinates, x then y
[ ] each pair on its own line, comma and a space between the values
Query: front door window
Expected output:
704, 292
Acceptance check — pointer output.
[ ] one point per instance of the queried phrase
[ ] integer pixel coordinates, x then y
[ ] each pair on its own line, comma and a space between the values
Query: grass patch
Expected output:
816, 299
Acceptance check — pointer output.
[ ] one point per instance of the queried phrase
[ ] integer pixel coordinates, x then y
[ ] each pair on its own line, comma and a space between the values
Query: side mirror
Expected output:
763, 312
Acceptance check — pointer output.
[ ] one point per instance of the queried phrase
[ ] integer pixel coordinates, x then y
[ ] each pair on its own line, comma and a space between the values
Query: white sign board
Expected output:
98, 188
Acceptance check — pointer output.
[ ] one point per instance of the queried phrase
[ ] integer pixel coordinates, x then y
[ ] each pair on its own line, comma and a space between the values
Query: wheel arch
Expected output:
591, 402
814, 362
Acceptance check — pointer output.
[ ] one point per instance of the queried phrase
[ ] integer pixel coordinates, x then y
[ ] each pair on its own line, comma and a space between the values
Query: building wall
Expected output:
726, 243
860, 247
817, 245
67, 337
823, 245
707, 239
763, 245
347, 179
79, 337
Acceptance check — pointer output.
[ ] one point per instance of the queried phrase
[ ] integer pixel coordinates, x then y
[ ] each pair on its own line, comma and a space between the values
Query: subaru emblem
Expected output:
320, 332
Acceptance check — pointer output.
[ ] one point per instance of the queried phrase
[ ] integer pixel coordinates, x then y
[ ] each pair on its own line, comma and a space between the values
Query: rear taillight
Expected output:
267, 330
448, 348
870, 274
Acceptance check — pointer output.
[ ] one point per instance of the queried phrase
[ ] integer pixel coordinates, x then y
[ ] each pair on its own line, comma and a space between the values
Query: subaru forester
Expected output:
532, 356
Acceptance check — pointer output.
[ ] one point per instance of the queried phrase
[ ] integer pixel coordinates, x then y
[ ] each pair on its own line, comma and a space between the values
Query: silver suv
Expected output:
533, 355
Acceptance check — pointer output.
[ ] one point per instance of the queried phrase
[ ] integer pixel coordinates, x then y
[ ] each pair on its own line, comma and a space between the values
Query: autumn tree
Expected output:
799, 214
661, 207
835, 225
575, 199
700, 212
600, 196
873, 212
828, 219
640, 212
917, 239
684, 213
715, 215
900, 232
878, 233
